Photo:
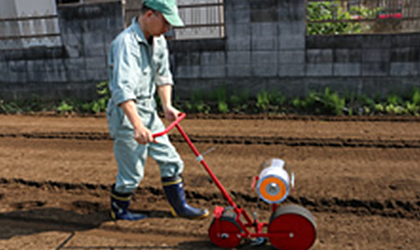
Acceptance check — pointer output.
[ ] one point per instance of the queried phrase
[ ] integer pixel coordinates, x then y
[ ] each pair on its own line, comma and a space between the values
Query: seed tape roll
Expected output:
274, 182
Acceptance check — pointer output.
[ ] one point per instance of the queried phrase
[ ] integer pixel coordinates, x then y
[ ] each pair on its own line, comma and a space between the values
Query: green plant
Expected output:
276, 98
239, 101
306, 104
202, 107
319, 13
394, 109
297, 103
96, 106
336, 102
394, 99
64, 107
8, 107
416, 97
412, 108
218, 95
379, 107
223, 107
361, 105
263, 101
327, 102
104, 94
188, 106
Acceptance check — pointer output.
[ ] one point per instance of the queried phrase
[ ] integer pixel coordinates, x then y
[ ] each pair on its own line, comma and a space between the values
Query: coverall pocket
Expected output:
111, 119
143, 89
117, 121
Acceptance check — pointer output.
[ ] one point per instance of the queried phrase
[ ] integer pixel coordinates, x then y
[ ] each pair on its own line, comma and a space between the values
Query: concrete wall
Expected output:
265, 48
68, 71
28, 23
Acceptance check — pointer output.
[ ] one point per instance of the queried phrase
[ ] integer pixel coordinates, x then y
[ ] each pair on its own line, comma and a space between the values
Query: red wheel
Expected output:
224, 232
297, 223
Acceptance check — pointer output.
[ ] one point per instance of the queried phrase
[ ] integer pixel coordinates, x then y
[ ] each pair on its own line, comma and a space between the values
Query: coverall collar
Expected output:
139, 35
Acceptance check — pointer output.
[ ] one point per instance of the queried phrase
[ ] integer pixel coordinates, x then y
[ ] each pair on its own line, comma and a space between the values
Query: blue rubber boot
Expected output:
174, 191
119, 207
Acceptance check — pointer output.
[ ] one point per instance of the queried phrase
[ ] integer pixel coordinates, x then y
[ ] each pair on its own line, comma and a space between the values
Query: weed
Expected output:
64, 107
263, 101
416, 97
394, 99
326, 102
223, 107
202, 107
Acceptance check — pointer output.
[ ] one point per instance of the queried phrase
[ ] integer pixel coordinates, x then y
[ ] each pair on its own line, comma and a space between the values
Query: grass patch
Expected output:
326, 102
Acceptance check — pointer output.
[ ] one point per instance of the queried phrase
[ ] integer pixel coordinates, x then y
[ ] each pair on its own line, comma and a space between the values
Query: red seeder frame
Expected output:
257, 225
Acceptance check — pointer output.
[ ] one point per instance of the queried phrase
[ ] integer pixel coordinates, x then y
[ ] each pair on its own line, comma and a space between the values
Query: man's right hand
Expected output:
143, 135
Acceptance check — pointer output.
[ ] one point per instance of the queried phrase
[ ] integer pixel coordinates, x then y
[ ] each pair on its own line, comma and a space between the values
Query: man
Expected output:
138, 65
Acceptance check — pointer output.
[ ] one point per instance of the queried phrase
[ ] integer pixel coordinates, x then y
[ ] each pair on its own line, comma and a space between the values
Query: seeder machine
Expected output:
291, 227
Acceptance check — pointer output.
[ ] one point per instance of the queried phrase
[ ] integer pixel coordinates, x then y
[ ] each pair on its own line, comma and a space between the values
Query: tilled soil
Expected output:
359, 177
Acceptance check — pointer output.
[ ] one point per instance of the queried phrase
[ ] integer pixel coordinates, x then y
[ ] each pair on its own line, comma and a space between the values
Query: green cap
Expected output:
169, 10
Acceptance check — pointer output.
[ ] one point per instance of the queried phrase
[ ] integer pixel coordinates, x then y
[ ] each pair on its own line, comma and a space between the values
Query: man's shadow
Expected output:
32, 217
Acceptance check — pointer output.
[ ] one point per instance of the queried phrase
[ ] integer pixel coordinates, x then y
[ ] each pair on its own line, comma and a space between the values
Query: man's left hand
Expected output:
171, 113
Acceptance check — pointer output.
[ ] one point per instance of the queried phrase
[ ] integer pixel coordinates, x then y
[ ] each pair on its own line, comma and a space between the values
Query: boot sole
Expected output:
175, 215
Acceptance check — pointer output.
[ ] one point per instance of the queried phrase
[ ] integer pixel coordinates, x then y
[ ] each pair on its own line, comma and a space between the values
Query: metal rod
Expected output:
238, 210
213, 177
190, 6
15, 19
46, 35
199, 5
363, 20
189, 26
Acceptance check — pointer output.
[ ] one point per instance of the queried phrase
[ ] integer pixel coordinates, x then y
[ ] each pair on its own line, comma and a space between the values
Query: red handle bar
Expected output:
173, 124
201, 160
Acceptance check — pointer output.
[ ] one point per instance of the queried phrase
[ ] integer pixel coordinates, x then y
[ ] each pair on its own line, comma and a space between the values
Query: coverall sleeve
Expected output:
163, 73
124, 66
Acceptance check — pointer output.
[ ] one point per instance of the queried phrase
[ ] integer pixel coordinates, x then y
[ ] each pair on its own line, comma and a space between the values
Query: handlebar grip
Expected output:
171, 126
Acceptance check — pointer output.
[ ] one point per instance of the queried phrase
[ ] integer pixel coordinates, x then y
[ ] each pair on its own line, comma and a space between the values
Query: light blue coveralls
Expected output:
135, 69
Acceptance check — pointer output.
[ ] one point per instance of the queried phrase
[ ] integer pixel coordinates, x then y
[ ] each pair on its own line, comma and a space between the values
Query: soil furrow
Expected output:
395, 208
377, 118
358, 176
301, 142
71, 224
241, 140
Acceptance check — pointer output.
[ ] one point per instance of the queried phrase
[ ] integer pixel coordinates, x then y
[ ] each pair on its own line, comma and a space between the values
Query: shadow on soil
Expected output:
208, 245
187, 245
34, 221
48, 219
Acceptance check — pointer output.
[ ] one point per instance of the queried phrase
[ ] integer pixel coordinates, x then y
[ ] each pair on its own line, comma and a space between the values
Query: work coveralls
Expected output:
135, 69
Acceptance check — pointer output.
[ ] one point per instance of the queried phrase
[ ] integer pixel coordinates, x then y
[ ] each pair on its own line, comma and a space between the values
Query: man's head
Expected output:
160, 16
168, 8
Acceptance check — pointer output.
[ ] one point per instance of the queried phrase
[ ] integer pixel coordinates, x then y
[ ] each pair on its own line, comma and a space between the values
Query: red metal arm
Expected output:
207, 168
171, 126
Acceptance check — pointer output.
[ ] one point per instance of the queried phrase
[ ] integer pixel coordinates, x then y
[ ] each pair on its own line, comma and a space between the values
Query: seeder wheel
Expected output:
224, 231
297, 223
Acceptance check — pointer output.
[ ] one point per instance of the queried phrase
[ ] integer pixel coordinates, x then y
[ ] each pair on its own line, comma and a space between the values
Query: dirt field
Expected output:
360, 177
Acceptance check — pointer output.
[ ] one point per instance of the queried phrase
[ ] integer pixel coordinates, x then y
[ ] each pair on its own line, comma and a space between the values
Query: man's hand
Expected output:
165, 94
143, 135
171, 113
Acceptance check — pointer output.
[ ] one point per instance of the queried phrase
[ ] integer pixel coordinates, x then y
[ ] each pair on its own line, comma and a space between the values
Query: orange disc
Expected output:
275, 197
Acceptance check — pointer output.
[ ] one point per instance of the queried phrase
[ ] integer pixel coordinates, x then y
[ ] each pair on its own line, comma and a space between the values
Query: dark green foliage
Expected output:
333, 11
326, 102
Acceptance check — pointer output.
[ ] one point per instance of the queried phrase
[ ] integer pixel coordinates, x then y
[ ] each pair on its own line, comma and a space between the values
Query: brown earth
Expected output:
360, 178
